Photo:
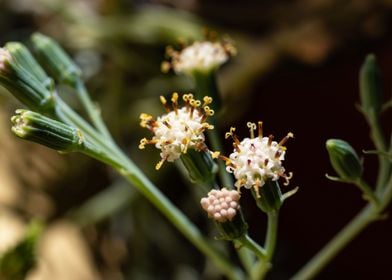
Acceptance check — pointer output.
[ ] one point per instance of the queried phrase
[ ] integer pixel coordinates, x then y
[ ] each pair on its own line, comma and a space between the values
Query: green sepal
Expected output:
55, 59
22, 56
370, 86
35, 127
234, 229
200, 166
344, 160
269, 198
16, 262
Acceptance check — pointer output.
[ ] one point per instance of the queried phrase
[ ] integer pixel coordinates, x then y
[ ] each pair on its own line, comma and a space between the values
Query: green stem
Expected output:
261, 269
92, 109
246, 256
380, 143
272, 233
249, 243
367, 191
367, 215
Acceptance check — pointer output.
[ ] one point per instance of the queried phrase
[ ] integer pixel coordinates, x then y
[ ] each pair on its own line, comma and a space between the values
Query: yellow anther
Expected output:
197, 103
143, 143
163, 100
215, 155
174, 98
207, 100
165, 67
145, 119
159, 164
185, 97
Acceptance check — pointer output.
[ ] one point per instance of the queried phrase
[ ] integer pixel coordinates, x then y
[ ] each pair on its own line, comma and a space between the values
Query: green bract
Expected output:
234, 229
344, 160
269, 198
200, 166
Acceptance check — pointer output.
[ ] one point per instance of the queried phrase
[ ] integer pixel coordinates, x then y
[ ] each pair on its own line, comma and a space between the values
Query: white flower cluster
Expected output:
180, 129
200, 56
256, 159
221, 205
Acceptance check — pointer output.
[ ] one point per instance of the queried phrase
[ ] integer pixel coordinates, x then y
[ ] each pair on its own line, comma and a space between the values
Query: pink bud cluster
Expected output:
221, 205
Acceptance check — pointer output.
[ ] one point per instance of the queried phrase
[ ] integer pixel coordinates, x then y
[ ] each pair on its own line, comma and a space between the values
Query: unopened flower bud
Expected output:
344, 160
24, 85
35, 127
55, 59
370, 85
269, 198
223, 207
22, 56
200, 166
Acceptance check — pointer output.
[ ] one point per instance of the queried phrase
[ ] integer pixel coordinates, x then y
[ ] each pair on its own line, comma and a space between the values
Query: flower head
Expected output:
180, 129
221, 205
256, 159
199, 56
4, 57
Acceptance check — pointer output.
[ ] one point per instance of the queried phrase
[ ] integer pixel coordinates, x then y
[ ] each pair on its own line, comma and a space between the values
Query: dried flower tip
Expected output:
199, 56
257, 159
221, 205
4, 57
180, 129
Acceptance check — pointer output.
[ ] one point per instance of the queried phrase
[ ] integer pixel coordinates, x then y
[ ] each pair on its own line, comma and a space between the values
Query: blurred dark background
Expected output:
296, 70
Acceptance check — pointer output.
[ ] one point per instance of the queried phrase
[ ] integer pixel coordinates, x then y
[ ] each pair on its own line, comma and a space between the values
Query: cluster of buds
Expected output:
223, 207
180, 129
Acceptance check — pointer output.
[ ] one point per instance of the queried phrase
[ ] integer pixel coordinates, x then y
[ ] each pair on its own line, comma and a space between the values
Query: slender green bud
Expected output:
24, 85
370, 85
45, 131
344, 160
200, 166
269, 197
223, 207
22, 56
55, 59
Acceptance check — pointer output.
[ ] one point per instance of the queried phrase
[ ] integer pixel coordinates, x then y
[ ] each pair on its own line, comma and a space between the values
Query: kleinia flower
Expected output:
256, 159
180, 129
199, 56
221, 205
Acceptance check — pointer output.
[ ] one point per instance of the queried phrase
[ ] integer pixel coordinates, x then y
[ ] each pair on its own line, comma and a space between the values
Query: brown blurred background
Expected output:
297, 70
